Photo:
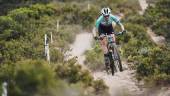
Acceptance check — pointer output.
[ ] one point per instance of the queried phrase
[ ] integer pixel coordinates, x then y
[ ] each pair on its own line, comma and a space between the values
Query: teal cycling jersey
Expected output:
102, 21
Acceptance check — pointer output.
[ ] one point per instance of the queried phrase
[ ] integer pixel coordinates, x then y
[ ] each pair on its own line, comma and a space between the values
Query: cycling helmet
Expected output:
105, 11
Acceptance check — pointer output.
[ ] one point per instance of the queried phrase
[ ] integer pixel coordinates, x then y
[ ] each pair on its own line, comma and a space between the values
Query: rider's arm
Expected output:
121, 26
95, 31
118, 22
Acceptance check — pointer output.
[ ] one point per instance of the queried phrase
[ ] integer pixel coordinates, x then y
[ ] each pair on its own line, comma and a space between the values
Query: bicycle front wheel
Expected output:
116, 58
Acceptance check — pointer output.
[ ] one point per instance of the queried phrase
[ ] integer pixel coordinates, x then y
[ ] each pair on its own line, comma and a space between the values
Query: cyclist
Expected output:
105, 24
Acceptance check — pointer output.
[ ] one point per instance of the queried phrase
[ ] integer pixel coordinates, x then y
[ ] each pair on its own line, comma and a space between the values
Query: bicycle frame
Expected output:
112, 48
110, 42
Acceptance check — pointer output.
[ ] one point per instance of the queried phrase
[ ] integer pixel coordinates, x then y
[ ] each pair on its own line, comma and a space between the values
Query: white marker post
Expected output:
58, 25
47, 52
4, 88
51, 37
45, 44
88, 6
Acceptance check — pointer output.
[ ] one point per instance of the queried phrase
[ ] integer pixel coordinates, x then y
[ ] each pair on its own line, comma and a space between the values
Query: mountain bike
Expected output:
113, 61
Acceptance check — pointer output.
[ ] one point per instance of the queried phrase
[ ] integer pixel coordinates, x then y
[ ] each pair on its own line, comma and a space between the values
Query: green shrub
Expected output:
145, 68
8, 5
100, 88
158, 17
23, 29
72, 73
158, 79
28, 77
94, 58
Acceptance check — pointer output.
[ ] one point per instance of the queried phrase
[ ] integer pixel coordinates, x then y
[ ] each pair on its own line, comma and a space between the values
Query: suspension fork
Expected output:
110, 50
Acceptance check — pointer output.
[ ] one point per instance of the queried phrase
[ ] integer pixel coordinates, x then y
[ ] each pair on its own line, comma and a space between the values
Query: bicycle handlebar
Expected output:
115, 33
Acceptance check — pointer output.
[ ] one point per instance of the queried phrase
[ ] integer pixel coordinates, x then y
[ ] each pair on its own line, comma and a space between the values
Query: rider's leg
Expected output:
103, 43
103, 40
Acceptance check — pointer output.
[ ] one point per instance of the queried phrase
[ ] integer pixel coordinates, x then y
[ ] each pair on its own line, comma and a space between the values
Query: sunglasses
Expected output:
106, 16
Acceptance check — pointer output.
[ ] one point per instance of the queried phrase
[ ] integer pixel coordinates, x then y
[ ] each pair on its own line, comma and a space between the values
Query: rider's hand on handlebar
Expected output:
95, 38
124, 31
119, 33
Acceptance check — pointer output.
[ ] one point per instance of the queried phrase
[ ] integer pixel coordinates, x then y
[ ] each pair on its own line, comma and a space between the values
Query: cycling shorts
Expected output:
103, 29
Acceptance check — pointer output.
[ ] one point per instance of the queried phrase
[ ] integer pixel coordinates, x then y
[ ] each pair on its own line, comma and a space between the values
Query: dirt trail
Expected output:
119, 85
143, 5
81, 44
159, 40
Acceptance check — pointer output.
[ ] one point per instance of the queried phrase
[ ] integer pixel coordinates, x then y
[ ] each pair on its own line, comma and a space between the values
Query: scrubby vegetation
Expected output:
151, 61
8, 5
38, 78
155, 67
158, 18
22, 27
22, 57
94, 58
